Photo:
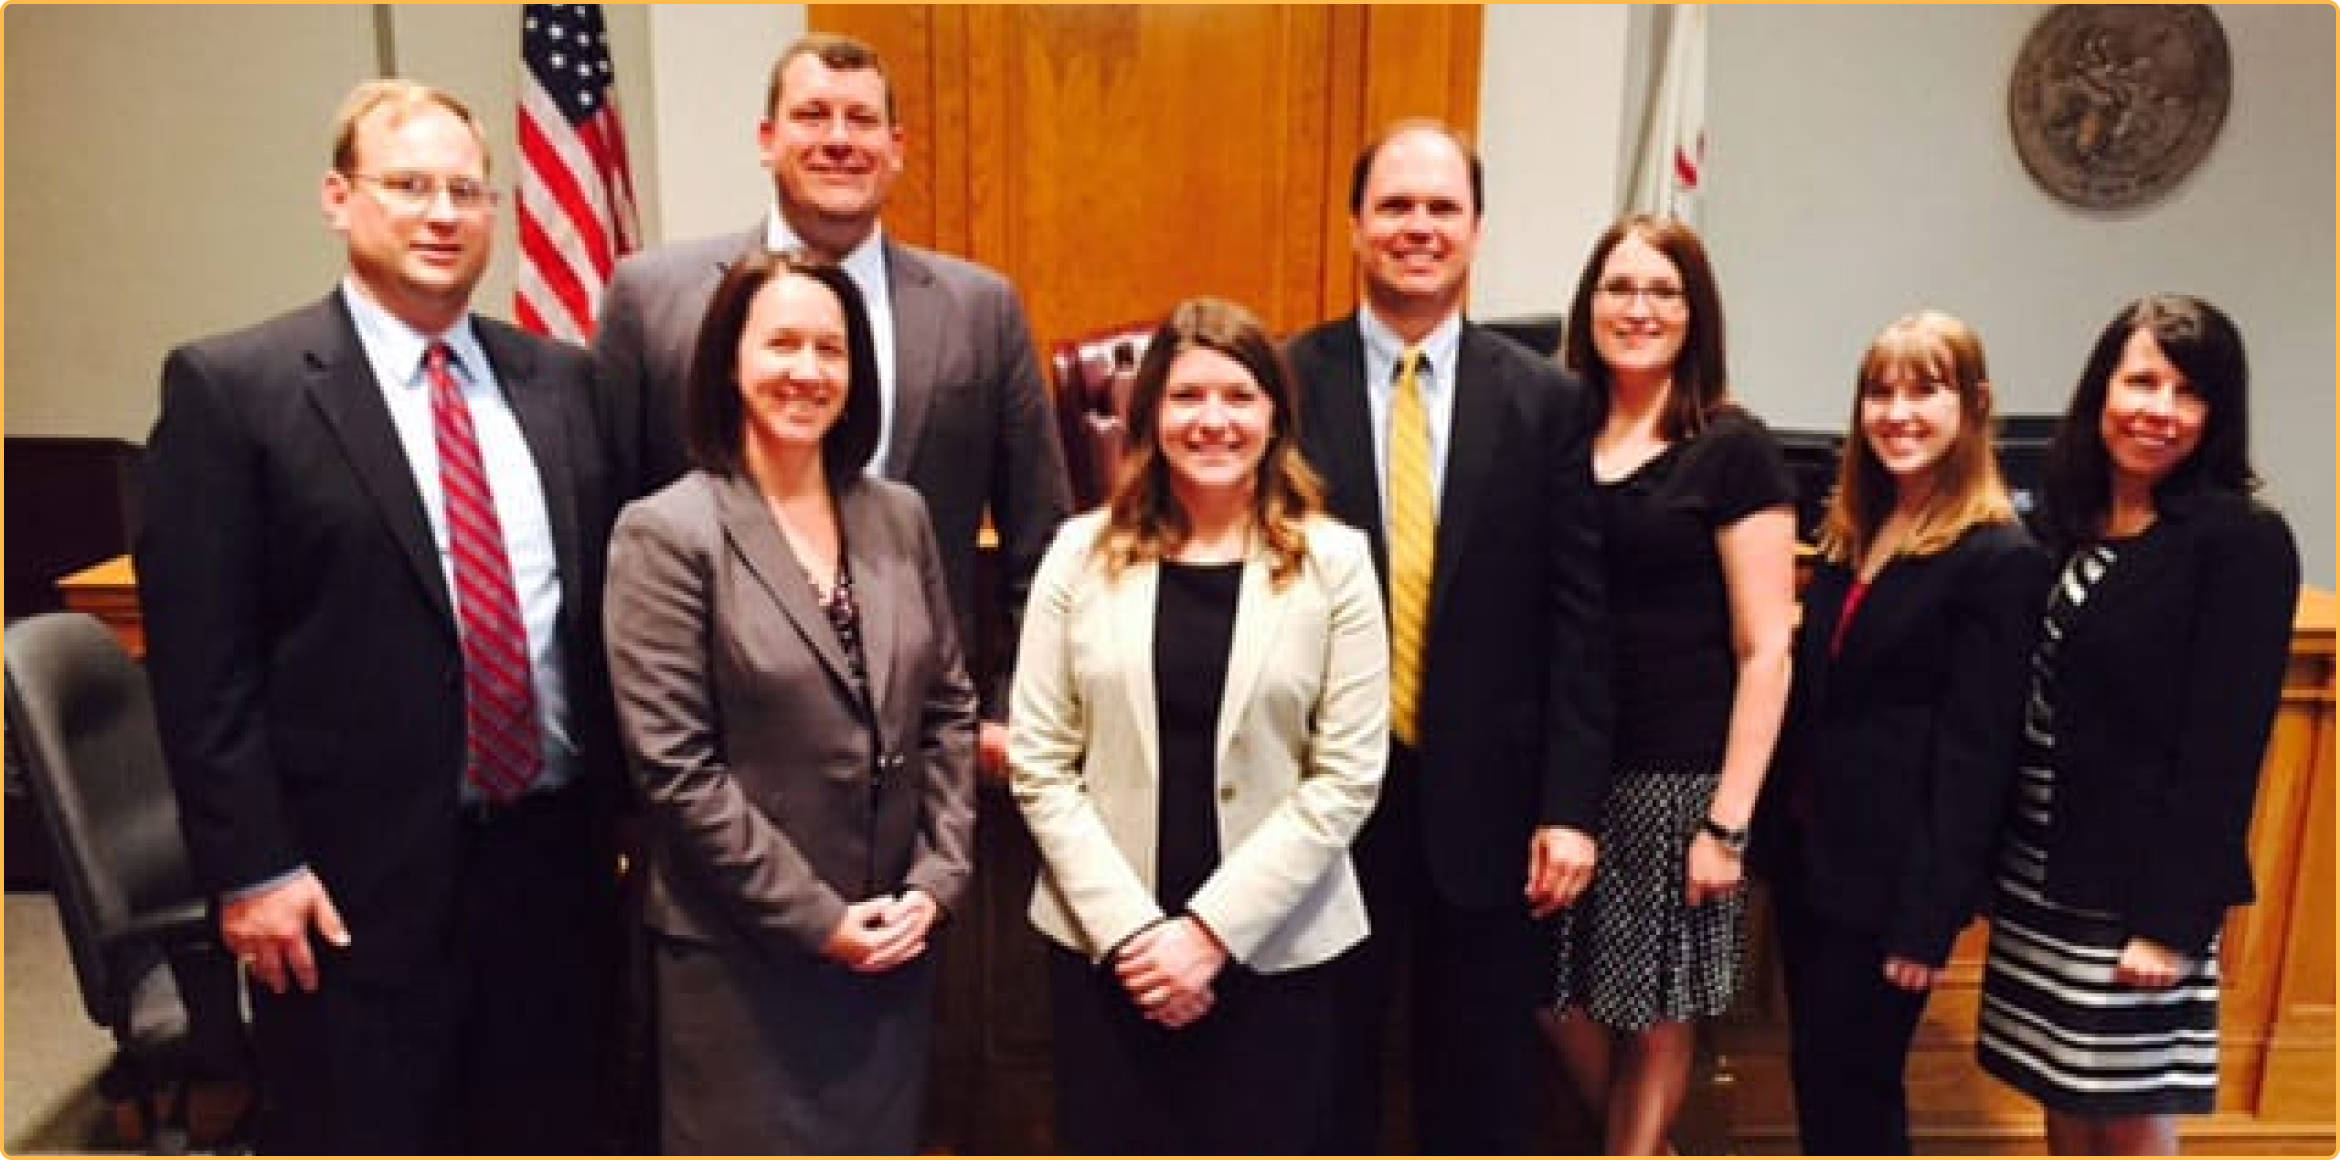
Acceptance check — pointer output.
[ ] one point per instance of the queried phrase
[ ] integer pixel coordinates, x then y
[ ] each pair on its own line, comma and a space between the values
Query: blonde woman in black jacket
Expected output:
2155, 683
1887, 796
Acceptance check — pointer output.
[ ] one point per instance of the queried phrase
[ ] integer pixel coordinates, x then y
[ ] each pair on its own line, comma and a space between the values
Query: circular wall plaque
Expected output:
2111, 104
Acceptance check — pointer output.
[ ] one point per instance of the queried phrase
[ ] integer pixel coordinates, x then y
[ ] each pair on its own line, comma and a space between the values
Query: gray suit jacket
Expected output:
776, 794
972, 427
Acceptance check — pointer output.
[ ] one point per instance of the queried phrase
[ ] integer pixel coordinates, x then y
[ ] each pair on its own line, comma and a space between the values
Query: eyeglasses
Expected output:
417, 192
1665, 300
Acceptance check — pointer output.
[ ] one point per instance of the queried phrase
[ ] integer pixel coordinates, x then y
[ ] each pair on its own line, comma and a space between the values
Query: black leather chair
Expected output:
150, 968
1093, 376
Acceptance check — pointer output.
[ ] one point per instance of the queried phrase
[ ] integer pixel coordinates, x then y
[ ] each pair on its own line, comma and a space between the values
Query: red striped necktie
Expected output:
504, 751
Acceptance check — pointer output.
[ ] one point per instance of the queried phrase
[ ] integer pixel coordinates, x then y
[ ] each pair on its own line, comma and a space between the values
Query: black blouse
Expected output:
1194, 628
1669, 611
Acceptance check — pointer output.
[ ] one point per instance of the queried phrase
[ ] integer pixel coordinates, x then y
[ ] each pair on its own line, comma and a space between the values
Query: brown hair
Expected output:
714, 417
402, 97
1967, 488
1143, 519
842, 53
1701, 380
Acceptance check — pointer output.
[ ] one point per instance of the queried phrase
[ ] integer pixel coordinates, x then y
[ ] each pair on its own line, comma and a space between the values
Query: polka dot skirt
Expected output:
1632, 953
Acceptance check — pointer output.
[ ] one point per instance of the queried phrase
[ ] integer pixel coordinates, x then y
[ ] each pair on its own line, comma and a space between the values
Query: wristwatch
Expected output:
1733, 840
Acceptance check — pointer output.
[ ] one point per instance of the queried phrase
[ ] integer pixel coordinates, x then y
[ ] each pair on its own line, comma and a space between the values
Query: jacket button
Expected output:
1226, 793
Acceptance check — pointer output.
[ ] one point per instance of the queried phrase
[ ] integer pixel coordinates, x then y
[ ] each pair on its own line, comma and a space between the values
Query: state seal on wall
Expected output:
2111, 105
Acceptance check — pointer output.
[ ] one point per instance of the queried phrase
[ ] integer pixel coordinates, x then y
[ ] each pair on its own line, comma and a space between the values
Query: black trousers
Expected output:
1850, 1029
1253, 1077
497, 1047
1469, 978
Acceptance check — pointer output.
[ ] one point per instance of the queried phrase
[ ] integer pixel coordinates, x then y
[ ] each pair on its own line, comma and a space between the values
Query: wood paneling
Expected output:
1114, 159
2275, 1091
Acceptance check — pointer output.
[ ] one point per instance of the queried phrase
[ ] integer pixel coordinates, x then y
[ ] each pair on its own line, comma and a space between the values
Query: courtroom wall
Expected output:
163, 163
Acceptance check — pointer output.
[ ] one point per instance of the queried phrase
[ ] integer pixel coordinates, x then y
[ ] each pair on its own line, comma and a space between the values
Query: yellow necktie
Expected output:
1413, 537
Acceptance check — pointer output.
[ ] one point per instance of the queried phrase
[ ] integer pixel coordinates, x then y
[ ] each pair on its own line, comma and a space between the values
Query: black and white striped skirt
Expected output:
2056, 1026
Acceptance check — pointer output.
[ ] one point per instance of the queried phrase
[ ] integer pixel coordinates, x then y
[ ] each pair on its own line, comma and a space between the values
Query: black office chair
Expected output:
151, 970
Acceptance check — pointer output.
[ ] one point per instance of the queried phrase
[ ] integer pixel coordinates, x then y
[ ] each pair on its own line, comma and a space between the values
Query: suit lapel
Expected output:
868, 551
1259, 614
1344, 444
1129, 607
1482, 411
755, 535
919, 320
341, 385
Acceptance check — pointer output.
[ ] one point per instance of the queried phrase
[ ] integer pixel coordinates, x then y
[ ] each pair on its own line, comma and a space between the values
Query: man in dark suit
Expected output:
966, 418
1498, 754
371, 566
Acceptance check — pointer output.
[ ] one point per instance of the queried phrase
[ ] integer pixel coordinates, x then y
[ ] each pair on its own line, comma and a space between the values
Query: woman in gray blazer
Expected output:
1197, 731
789, 682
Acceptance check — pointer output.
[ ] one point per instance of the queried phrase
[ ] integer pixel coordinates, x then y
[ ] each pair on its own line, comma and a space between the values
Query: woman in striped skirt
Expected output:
2154, 685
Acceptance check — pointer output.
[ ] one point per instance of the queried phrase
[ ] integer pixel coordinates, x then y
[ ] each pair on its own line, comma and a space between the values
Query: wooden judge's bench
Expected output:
2276, 1040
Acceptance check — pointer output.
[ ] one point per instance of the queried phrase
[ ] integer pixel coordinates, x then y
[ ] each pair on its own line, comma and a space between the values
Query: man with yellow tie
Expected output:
1464, 457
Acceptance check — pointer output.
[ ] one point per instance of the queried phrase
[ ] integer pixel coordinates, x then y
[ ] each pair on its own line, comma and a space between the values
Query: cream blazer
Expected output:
1302, 743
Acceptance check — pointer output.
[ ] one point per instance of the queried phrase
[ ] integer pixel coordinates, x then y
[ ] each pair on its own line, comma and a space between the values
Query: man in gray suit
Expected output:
966, 418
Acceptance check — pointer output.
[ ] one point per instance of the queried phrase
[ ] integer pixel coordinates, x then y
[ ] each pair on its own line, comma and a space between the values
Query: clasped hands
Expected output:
879, 934
1167, 969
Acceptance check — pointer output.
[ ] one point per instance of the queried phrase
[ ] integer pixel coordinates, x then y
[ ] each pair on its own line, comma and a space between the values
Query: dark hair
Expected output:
1701, 380
842, 53
1362, 168
1143, 517
714, 419
2204, 345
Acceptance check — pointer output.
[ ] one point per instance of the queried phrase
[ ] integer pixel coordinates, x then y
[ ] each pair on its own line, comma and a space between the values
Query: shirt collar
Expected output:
1383, 346
865, 263
395, 350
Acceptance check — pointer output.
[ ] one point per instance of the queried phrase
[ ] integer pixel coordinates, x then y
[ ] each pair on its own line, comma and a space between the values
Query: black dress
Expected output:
1632, 953
1253, 1075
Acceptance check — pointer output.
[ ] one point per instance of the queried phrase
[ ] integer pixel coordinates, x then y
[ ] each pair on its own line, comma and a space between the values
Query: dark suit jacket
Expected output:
971, 426
1901, 747
307, 671
2165, 690
1514, 700
776, 795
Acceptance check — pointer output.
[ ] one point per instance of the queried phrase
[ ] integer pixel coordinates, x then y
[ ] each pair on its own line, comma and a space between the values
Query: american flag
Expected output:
576, 191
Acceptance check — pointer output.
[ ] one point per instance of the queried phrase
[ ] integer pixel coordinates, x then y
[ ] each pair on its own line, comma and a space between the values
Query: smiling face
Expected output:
419, 262
2153, 416
1910, 418
793, 367
1416, 229
831, 148
1640, 312
1214, 424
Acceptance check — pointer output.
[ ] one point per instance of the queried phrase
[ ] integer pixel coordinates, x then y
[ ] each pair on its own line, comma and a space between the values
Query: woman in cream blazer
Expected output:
1197, 731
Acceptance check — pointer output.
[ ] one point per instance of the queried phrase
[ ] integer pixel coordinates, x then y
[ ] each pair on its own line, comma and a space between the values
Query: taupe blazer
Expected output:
1302, 740
776, 794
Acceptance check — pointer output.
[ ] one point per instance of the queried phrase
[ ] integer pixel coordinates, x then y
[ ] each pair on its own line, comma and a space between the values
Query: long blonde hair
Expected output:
1967, 488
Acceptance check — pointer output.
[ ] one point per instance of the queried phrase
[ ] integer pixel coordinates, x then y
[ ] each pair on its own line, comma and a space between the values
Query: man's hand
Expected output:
268, 931
1560, 866
991, 752
1167, 969
879, 934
